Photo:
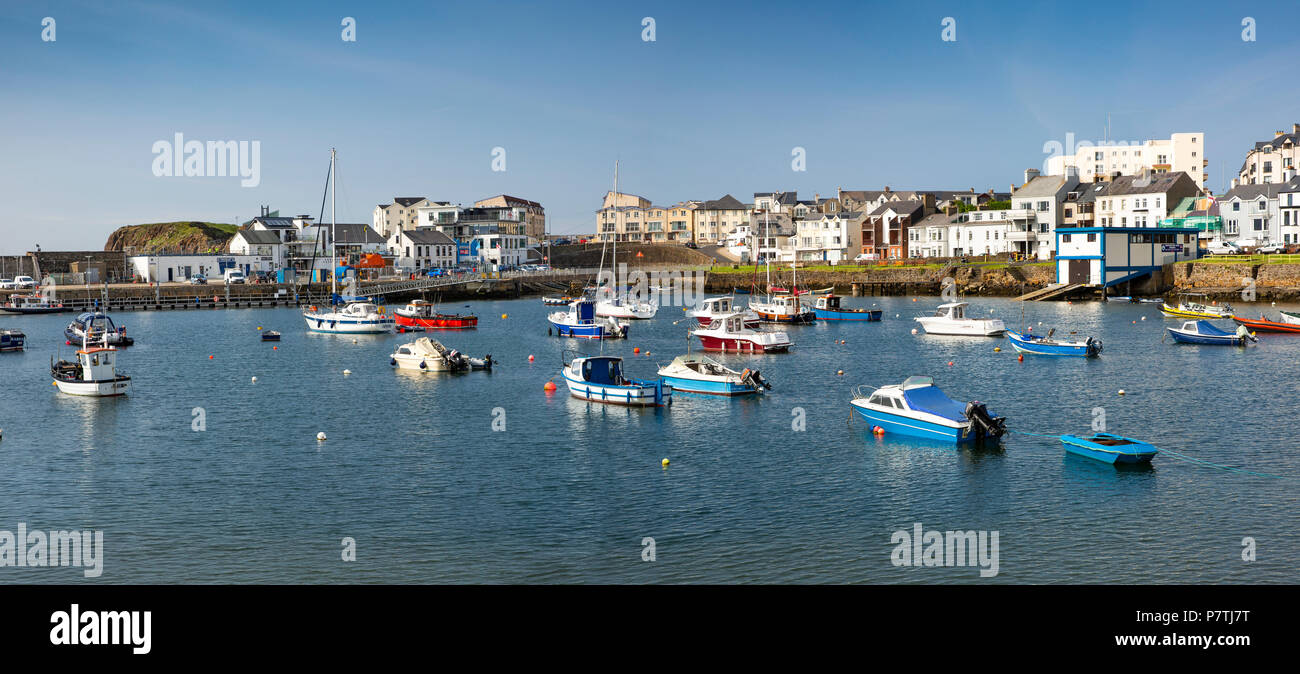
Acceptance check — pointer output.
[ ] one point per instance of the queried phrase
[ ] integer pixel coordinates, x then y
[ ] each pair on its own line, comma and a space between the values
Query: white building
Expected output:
825, 237
258, 243
1252, 215
181, 267
400, 214
1036, 212
1288, 202
1269, 160
1107, 256
1141, 201
1183, 152
422, 248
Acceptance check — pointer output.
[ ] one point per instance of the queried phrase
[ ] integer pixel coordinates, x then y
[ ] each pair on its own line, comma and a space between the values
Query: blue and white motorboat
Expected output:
1026, 342
96, 326
357, 318
828, 308
12, 340
580, 320
1110, 448
694, 373
1205, 332
918, 408
600, 379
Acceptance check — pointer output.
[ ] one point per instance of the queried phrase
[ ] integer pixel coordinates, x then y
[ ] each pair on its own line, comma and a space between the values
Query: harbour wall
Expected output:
969, 279
1229, 280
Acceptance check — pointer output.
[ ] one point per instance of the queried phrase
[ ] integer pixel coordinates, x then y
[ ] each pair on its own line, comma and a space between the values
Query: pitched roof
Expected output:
407, 201
935, 220
1040, 186
258, 236
905, 207
428, 236
1158, 183
355, 232
273, 222
726, 203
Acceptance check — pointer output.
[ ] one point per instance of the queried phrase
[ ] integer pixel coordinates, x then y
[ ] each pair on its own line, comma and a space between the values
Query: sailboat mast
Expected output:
334, 251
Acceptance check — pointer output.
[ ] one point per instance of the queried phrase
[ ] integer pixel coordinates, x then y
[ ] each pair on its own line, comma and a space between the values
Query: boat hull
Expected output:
955, 433
1025, 344
18, 311
1174, 312
442, 321
1210, 340
1265, 325
801, 318
413, 363
11, 340
588, 331
1128, 454
975, 327
707, 387
739, 345
348, 326
842, 315
107, 388
637, 395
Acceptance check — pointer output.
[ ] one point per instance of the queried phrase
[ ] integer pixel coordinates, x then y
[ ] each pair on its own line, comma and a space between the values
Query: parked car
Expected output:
198, 280
1271, 248
560, 242
7, 284
1224, 248
691, 244
436, 271
24, 282
864, 257
234, 276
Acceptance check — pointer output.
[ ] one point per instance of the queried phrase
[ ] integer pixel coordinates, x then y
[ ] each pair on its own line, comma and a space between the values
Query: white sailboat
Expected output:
615, 303
355, 318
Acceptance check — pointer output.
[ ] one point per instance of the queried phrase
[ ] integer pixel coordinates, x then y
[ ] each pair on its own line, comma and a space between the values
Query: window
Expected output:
1065, 238
1092, 237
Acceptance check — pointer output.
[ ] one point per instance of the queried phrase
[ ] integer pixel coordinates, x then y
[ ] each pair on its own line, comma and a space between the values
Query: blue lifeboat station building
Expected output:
1107, 256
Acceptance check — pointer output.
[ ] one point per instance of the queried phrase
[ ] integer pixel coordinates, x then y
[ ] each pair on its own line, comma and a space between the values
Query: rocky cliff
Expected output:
172, 237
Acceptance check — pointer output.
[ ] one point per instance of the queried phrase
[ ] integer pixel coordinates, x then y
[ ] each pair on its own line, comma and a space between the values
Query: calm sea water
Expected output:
415, 473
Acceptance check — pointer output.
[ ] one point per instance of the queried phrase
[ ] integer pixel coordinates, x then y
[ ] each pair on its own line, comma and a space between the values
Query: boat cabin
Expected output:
96, 324
584, 310
30, 302
829, 302
718, 305
360, 309
604, 370
952, 310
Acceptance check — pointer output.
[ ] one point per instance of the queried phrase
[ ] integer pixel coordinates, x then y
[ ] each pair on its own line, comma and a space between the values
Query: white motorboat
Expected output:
919, 409
356, 318
717, 307
951, 319
729, 333
429, 355
580, 320
695, 373
600, 379
94, 373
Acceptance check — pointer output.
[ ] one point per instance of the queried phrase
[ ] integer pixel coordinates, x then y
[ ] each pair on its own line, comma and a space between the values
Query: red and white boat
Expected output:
720, 307
422, 314
729, 334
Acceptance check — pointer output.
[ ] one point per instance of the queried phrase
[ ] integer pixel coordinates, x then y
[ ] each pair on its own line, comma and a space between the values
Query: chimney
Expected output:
1288, 174
1030, 174
1277, 133
1295, 128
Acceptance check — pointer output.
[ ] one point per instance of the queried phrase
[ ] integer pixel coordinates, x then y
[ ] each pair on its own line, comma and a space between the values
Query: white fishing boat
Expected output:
580, 320
729, 334
600, 379
356, 318
718, 307
951, 319
430, 355
695, 373
94, 373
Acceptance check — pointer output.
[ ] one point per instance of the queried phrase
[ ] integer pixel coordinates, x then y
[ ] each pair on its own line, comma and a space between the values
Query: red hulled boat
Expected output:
422, 314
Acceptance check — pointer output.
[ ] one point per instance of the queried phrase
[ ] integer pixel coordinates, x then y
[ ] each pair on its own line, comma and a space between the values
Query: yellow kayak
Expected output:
1195, 311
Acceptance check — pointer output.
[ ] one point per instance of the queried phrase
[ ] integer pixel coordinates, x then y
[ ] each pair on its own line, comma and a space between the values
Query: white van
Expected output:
1223, 248
234, 276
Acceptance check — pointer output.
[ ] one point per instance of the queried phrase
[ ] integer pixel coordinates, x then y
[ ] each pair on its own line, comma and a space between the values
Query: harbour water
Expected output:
416, 472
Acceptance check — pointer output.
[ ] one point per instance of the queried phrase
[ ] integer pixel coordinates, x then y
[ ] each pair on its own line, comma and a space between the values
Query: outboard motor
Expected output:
984, 425
755, 380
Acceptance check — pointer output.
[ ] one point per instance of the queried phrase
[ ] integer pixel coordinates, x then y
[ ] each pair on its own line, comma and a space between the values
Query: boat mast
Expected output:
613, 260
334, 251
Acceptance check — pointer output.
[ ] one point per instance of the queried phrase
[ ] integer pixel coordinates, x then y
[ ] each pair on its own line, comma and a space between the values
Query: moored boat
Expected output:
31, 304
1110, 448
784, 309
1187, 308
951, 319
580, 320
423, 314
1205, 332
694, 373
430, 355
626, 308
917, 408
12, 340
355, 318
270, 336
600, 379
93, 374
1290, 317
729, 334
1263, 324
1027, 342
96, 326
828, 308
556, 300
717, 307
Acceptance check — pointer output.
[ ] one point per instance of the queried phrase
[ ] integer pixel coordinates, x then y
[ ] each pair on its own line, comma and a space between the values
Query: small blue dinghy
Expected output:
1110, 448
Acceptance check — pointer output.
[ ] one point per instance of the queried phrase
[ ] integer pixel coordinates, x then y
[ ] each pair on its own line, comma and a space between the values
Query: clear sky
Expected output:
714, 105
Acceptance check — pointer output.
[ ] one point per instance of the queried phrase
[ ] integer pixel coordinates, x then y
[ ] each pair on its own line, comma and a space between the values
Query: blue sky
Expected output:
714, 105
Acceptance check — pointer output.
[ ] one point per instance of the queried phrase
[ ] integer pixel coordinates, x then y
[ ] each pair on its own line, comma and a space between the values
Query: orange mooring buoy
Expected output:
1021, 358
549, 386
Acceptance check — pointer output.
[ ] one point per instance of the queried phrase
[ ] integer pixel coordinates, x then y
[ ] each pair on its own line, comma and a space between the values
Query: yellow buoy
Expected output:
664, 463
503, 316
997, 349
